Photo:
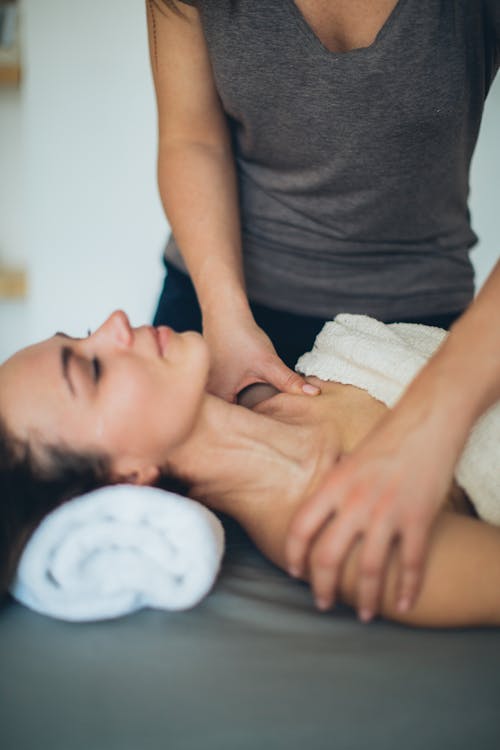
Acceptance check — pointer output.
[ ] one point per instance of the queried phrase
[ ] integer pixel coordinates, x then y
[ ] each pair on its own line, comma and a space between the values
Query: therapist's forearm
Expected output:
470, 356
462, 380
199, 192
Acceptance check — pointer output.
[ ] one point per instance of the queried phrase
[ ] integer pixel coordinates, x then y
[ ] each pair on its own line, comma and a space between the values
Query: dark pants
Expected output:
291, 334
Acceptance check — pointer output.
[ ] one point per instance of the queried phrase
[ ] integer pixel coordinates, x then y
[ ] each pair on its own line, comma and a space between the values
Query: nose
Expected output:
116, 328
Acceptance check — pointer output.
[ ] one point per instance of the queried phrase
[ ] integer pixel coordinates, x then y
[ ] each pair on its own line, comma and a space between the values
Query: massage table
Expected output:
254, 665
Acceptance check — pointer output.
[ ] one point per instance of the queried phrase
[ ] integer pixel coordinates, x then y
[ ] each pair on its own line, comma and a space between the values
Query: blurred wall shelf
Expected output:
13, 283
10, 58
10, 75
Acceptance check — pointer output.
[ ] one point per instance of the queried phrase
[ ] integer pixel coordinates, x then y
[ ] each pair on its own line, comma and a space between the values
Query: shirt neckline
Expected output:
313, 37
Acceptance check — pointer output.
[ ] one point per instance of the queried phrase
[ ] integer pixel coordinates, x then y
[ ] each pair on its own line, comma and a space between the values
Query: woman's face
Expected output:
133, 394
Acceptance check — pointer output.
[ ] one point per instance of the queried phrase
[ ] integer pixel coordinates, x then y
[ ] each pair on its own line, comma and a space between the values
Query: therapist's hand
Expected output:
241, 354
390, 488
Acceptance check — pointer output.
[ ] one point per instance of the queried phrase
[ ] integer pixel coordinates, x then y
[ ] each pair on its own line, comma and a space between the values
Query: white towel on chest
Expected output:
383, 359
118, 549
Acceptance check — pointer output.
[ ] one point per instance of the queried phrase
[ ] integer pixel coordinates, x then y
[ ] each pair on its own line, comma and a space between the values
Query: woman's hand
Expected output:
241, 354
390, 488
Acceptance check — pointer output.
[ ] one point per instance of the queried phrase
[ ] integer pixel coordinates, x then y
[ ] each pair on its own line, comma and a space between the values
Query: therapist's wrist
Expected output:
226, 308
436, 405
463, 380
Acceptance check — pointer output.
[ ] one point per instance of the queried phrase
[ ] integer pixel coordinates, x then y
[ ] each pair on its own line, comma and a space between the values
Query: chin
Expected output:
191, 335
204, 353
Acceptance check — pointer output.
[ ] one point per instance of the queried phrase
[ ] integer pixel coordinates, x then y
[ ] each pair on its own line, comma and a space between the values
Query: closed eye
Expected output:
96, 369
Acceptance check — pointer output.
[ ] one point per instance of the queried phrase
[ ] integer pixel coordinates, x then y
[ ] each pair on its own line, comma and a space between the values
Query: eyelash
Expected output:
96, 367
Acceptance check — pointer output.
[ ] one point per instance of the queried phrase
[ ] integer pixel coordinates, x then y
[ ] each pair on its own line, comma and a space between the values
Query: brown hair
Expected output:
33, 483
30, 488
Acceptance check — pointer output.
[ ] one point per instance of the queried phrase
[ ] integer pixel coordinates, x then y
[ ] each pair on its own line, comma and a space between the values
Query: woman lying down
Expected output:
130, 405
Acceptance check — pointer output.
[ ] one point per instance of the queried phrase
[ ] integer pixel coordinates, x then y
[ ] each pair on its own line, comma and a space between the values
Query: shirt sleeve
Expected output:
492, 8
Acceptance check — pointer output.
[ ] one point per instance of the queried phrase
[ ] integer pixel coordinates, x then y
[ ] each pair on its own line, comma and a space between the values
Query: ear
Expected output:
142, 475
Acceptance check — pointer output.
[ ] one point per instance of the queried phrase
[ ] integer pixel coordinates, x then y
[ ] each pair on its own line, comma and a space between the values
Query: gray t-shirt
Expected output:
353, 168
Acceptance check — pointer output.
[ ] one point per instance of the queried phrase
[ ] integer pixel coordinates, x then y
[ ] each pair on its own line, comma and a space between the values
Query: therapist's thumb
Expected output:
288, 381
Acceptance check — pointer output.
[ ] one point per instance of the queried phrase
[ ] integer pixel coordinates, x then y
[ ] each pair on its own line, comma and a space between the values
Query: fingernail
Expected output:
322, 603
312, 390
365, 615
403, 604
294, 571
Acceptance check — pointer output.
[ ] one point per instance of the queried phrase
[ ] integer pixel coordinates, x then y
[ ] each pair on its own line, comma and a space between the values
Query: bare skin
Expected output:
281, 456
346, 24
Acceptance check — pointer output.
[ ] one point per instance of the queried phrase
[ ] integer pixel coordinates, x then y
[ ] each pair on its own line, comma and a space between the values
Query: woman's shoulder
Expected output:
341, 411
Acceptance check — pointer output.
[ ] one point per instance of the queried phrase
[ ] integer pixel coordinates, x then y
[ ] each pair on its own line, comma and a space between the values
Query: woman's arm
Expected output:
198, 188
392, 485
465, 372
196, 171
460, 579
461, 576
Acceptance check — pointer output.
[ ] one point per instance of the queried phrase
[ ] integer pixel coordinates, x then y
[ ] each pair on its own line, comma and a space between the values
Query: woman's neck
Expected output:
234, 453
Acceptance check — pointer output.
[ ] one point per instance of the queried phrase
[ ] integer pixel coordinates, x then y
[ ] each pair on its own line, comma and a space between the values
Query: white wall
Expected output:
485, 188
91, 227
87, 220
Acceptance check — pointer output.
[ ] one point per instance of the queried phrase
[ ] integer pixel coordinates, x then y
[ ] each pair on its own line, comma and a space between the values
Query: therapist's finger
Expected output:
328, 555
372, 568
288, 381
413, 554
308, 520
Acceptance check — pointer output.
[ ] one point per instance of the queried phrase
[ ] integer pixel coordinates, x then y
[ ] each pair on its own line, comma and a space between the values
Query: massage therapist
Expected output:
314, 159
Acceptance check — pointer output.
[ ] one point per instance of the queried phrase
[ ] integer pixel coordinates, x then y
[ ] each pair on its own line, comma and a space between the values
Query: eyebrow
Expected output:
66, 354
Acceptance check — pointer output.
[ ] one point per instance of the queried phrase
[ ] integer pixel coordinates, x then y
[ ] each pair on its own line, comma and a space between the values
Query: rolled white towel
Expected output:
118, 549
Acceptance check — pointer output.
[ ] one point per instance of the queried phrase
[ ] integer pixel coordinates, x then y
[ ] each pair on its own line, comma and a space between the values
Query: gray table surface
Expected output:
253, 666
